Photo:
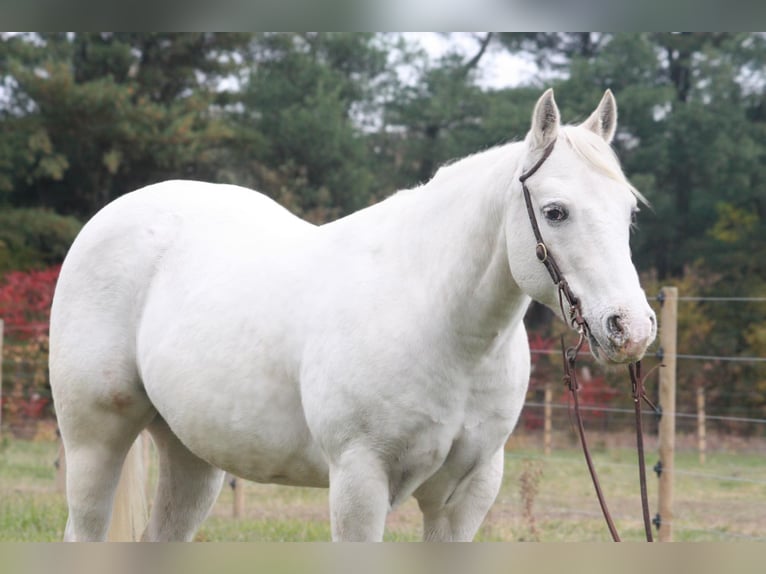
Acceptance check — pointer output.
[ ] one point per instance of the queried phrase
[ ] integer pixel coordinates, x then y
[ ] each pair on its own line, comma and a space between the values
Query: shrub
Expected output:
34, 238
25, 301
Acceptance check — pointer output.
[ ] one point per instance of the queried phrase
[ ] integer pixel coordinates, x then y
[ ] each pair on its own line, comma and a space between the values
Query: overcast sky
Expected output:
498, 68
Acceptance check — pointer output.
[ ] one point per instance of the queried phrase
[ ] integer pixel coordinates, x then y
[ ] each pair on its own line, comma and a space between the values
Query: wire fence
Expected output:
732, 407
678, 415
743, 481
721, 299
725, 503
678, 356
723, 498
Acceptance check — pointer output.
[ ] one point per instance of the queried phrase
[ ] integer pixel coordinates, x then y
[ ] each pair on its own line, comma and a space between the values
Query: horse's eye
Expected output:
634, 216
555, 213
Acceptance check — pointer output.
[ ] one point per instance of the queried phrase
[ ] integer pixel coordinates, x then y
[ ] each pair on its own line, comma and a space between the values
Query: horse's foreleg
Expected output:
461, 516
359, 497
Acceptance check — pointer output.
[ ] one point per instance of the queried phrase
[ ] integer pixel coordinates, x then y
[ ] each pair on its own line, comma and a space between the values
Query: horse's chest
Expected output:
451, 448
440, 458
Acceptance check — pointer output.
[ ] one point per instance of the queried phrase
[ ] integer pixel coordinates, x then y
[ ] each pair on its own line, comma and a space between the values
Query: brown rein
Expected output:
569, 356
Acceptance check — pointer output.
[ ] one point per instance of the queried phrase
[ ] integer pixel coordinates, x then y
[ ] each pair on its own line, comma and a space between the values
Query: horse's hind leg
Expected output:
93, 471
96, 439
187, 488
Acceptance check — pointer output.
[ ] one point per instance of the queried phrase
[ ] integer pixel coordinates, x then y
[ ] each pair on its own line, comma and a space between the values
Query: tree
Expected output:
440, 116
554, 51
96, 115
302, 141
34, 238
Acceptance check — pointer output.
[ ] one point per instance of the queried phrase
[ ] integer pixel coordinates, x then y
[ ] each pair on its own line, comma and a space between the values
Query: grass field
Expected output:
542, 498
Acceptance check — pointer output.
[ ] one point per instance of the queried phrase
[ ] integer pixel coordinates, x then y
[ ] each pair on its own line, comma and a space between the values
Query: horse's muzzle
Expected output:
623, 337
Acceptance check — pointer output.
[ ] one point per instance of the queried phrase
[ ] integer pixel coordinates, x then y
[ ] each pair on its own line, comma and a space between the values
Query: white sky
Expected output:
497, 69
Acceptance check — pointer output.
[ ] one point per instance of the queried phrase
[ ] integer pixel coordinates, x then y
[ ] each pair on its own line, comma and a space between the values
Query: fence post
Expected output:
2, 325
548, 412
238, 489
667, 426
701, 441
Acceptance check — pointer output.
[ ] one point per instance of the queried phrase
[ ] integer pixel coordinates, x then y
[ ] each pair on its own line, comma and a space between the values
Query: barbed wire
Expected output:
664, 413
539, 384
677, 471
721, 477
724, 359
724, 299
678, 356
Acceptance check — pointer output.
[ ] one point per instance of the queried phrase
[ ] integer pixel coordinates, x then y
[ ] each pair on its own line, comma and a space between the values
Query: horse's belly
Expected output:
227, 386
253, 429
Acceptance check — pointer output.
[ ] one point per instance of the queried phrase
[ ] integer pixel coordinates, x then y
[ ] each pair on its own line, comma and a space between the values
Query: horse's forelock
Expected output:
593, 149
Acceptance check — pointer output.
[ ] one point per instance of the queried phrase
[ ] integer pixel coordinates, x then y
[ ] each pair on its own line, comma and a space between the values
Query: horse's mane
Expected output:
593, 149
586, 144
478, 162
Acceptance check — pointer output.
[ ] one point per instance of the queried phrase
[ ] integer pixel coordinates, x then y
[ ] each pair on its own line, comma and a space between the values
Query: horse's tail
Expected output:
129, 514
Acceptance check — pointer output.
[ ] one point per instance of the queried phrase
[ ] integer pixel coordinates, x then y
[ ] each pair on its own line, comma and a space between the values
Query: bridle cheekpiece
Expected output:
545, 256
569, 355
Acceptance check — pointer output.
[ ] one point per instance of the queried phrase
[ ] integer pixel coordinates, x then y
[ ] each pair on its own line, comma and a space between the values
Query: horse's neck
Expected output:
451, 235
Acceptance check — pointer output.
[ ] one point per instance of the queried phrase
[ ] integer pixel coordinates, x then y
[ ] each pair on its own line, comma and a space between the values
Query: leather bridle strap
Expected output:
639, 394
541, 249
570, 357
570, 380
545, 256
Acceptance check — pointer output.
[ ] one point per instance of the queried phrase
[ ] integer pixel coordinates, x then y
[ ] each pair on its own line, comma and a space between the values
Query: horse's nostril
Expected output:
614, 326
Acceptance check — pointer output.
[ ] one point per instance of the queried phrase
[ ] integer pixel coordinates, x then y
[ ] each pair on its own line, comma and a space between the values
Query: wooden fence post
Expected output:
701, 441
667, 427
238, 489
547, 427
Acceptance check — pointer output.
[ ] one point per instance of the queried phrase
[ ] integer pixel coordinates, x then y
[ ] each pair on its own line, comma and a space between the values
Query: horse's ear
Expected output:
545, 121
603, 121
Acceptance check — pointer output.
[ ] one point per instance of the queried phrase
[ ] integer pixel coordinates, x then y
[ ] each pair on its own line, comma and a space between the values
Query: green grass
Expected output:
32, 517
30, 507
708, 506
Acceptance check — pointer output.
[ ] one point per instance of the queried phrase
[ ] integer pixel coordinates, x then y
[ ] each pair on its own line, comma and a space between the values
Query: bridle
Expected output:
546, 258
569, 356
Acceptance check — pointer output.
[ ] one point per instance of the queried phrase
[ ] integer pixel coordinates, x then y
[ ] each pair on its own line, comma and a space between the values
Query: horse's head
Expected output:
584, 208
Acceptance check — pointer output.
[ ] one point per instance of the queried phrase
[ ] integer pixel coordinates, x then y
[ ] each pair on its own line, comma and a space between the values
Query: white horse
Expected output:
382, 355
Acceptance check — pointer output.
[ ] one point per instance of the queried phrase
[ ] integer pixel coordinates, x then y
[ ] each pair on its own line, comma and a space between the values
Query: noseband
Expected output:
569, 356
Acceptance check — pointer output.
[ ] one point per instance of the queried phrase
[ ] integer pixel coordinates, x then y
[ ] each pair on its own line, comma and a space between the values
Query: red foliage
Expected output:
18, 405
594, 390
595, 393
25, 301
25, 304
541, 348
539, 343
